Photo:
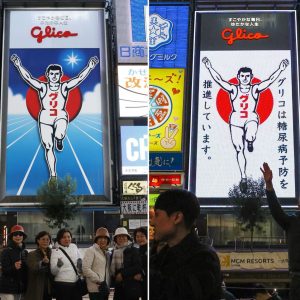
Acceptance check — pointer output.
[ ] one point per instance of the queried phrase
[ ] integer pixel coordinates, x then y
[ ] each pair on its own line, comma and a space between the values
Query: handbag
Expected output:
132, 289
80, 283
103, 288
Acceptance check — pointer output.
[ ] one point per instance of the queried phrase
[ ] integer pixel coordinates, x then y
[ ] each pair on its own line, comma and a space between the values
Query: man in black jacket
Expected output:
291, 224
184, 268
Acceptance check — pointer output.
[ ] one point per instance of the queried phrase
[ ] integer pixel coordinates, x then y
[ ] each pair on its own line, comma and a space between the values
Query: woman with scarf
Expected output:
39, 275
126, 267
13, 266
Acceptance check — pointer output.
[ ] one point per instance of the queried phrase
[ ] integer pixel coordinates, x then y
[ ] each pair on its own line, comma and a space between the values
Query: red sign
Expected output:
241, 34
158, 180
50, 32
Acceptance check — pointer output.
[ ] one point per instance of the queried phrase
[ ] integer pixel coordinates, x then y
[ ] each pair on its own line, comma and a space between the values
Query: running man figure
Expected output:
53, 118
243, 121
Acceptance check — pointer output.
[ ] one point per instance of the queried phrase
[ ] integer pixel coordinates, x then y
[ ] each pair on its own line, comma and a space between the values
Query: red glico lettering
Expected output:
241, 34
50, 32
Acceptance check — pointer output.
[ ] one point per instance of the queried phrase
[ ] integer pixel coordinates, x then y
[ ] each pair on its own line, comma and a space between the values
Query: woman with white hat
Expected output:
126, 267
95, 266
13, 266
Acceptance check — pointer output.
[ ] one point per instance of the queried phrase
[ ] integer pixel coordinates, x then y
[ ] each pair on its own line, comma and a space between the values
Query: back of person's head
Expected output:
179, 200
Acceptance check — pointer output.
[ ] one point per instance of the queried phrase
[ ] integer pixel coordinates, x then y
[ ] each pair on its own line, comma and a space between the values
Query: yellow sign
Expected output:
166, 93
253, 260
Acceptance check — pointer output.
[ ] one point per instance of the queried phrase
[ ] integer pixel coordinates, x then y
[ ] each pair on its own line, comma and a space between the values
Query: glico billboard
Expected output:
54, 101
245, 101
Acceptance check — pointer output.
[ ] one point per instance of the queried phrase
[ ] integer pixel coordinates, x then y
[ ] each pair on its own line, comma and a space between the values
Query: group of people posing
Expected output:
55, 272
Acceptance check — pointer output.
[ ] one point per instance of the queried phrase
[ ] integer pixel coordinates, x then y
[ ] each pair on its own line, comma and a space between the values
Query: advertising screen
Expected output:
131, 20
133, 90
168, 36
55, 99
134, 146
245, 95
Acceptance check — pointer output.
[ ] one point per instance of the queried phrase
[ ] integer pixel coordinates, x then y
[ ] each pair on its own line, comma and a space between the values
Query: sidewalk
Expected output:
111, 296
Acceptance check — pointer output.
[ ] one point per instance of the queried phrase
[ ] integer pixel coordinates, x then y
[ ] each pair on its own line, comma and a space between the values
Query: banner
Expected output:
166, 93
245, 94
168, 36
166, 180
56, 99
134, 145
134, 207
253, 261
135, 187
131, 20
133, 91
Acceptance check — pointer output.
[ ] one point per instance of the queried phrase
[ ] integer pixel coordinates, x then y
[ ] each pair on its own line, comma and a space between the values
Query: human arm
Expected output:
33, 82
217, 77
266, 83
56, 261
72, 83
34, 263
8, 266
276, 210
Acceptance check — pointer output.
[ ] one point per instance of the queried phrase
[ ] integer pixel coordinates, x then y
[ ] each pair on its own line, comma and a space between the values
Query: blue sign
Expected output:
132, 46
134, 145
168, 36
162, 161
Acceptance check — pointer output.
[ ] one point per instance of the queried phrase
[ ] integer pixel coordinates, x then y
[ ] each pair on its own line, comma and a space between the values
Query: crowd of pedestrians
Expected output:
59, 271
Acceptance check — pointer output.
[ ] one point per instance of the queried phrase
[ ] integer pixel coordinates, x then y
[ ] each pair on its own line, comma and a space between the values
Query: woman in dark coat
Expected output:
140, 238
13, 265
39, 275
126, 268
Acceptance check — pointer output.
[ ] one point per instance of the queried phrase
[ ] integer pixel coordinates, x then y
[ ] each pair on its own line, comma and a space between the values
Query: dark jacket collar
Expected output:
12, 244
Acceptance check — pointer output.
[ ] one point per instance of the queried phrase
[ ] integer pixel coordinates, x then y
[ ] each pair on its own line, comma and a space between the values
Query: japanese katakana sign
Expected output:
168, 36
166, 109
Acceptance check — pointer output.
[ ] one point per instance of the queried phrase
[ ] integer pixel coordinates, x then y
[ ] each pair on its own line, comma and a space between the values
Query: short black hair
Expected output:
143, 230
54, 68
245, 70
61, 233
41, 234
179, 200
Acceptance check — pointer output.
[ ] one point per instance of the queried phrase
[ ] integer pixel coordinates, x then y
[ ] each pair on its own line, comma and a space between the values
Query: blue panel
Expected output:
134, 144
138, 20
160, 161
168, 36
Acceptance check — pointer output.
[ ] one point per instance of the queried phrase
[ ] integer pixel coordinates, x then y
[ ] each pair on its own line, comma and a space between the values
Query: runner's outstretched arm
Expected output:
217, 77
72, 83
33, 82
266, 83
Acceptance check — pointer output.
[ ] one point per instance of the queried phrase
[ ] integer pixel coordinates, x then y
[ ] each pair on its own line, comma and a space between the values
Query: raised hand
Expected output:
16, 60
206, 62
268, 176
283, 65
93, 62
